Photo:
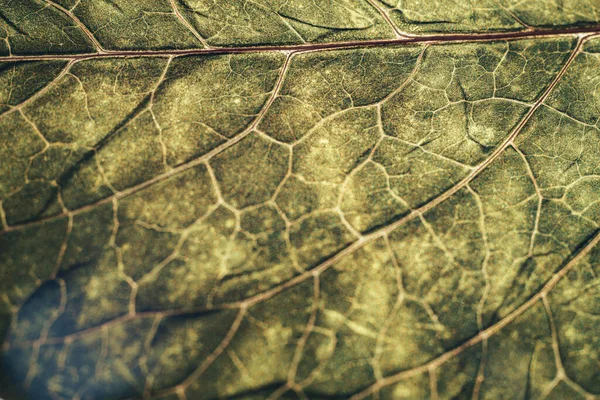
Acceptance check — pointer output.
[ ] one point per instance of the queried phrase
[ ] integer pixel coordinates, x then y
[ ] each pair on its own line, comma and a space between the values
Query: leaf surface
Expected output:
276, 199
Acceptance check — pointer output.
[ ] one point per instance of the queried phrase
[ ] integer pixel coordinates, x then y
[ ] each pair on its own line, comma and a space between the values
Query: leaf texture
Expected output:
299, 199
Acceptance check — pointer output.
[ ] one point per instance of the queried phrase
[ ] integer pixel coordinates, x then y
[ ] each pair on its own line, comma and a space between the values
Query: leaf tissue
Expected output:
307, 199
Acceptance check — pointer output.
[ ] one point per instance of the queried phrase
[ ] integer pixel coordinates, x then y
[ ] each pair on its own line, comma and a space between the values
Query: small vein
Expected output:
79, 24
43, 90
188, 25
210, 359
492, 330
174, 171
388, 20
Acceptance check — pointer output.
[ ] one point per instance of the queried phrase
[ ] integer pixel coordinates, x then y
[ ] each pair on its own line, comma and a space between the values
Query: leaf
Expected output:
299, 199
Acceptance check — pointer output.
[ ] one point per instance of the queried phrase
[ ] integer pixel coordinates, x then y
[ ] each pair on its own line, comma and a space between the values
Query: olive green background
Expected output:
295, 199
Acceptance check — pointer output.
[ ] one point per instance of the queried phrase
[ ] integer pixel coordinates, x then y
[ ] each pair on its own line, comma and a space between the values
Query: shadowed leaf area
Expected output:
269, 199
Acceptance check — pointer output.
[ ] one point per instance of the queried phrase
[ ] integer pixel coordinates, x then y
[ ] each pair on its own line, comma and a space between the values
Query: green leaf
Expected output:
299, 199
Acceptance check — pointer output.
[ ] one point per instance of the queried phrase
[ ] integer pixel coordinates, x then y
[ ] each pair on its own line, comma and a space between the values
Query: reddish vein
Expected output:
436, 38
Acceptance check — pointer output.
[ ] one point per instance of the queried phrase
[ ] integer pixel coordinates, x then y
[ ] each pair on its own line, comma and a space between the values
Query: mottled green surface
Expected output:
419, 16
383, 221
